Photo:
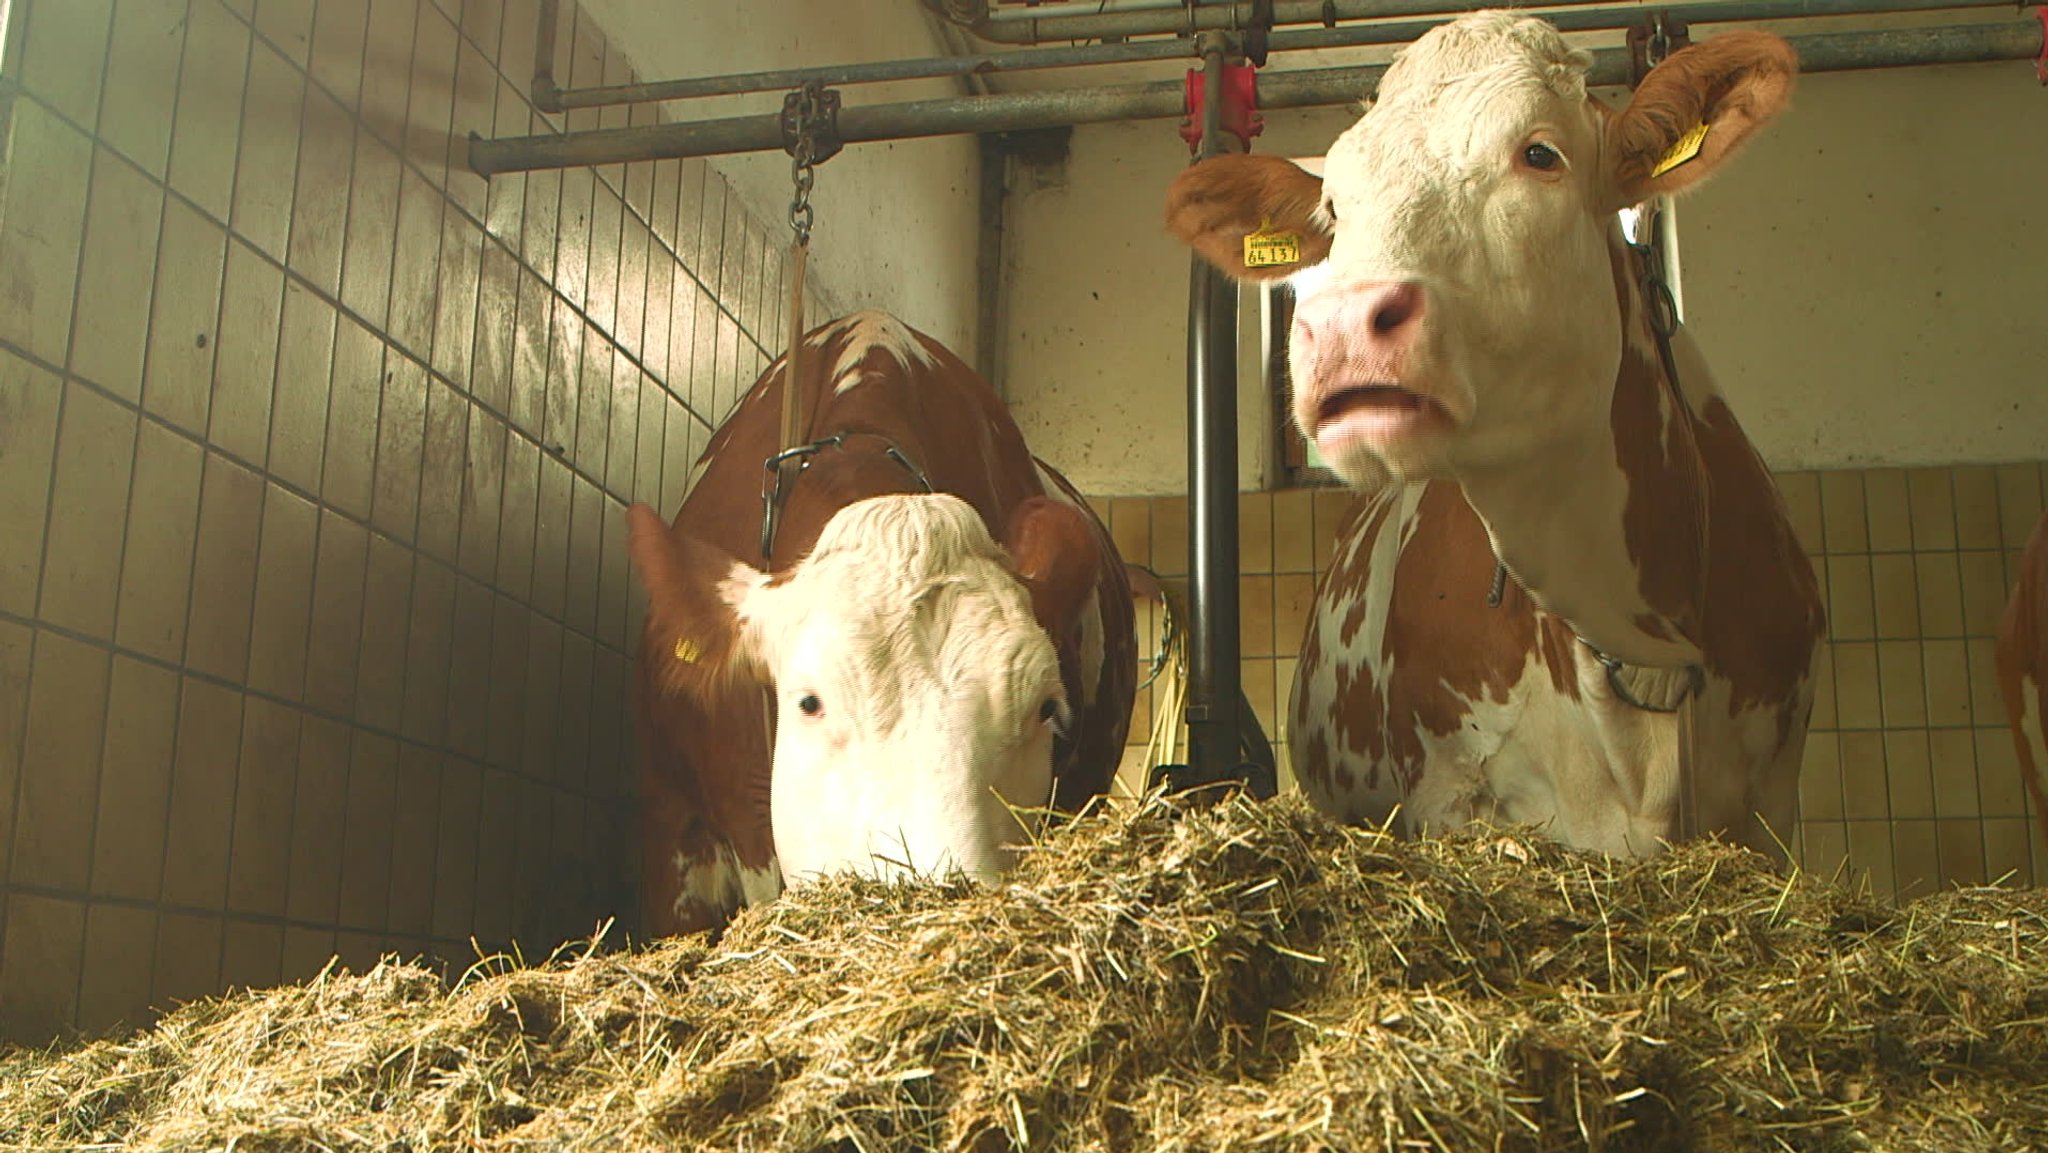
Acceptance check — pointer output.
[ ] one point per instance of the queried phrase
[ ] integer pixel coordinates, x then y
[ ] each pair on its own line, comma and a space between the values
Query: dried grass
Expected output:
1239, 977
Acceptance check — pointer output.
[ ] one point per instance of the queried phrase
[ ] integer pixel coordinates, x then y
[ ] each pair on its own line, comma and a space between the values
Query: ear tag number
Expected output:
1686, 147
687, 651
1269, 247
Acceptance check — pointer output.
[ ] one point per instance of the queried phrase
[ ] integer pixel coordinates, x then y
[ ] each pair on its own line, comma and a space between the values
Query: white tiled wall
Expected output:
315, 619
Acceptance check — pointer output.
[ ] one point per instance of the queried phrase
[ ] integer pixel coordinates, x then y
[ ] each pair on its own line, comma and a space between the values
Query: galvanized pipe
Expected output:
1599, 15
1303, 88
1214, 679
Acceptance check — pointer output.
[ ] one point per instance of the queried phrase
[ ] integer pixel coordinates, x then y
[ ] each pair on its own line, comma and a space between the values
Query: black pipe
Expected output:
1214, 677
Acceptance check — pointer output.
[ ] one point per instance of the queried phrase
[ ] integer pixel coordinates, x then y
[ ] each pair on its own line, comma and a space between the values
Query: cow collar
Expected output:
773, 488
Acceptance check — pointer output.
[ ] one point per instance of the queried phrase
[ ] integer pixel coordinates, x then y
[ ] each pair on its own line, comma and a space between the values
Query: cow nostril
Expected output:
1396, 309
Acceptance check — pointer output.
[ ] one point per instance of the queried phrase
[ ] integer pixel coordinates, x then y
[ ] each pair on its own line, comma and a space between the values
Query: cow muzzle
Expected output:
1359, 366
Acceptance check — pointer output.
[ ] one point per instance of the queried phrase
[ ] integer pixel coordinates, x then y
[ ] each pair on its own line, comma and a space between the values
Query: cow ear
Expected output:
697, 634
1053, 546
1212, 207
1695, 109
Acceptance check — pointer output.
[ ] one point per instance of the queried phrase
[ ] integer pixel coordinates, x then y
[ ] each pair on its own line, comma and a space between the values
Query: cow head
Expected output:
1468, 316
915, 687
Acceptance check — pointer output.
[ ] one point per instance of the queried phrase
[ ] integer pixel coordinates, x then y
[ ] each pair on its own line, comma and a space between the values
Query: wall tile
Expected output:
456, 298
120, 957
208, 117
367, 247
288, 26
65, 54
202, 796
142, 87
266, 168
367, 828
252, 297
224, 569
60, 761
380, 664
87, 509
340, 32
162, 526
135, 781
443, 452
335, 631
285, 567
121, 227
305, 358
260, 848
177, 377
319, 807
401, 431
29, 403
320, 206
42, 231
187, 958
40, 957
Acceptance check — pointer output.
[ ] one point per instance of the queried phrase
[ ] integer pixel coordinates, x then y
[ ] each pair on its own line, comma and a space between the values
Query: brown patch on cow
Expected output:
1734, 82
1653, 443
693, 637
2022, 652
1212, 205
1764, 614
1351, 573
1444, 646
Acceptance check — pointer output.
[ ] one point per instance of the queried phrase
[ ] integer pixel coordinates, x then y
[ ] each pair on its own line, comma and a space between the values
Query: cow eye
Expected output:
1049, 711
810, 705
1542, 157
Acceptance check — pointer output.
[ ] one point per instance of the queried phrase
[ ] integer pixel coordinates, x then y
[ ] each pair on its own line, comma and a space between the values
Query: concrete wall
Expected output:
895, 220
1863, 281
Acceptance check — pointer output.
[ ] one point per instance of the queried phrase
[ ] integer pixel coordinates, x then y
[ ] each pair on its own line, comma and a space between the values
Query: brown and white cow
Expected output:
908, 665
1479, 362
2023, 666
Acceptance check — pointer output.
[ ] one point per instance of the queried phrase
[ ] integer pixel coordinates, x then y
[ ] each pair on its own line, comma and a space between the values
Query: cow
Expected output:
939, 638
1567, 570
2022, 659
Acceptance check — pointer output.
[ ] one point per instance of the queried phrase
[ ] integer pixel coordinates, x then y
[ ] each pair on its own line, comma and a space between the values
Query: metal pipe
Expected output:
1214, 680
1301, 88
545, 92
1599, 16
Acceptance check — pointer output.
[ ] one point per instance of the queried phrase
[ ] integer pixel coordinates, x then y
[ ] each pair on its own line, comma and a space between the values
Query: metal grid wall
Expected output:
315, 618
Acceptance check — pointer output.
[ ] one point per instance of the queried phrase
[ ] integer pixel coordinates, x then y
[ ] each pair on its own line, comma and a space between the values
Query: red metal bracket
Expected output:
1240, 105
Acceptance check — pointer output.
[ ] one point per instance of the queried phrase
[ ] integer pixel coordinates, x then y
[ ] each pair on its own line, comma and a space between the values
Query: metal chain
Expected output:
802, 162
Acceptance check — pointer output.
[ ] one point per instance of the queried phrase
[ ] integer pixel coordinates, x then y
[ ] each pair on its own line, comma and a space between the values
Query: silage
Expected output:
1246, 976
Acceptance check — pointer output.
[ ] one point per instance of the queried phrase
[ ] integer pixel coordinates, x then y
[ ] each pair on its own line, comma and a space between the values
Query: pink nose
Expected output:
1366, 328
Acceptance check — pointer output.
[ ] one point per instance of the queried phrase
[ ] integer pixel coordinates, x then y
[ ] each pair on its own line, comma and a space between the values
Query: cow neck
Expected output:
1606, 530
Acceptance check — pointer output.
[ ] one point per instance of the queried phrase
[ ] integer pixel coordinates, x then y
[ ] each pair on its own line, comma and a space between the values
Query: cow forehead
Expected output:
909, 592
1460, 85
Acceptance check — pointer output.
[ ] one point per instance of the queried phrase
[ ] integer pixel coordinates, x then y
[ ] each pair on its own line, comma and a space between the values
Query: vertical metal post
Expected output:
1213, 682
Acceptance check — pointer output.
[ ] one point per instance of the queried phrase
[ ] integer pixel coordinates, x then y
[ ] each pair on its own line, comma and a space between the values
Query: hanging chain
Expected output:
803, 160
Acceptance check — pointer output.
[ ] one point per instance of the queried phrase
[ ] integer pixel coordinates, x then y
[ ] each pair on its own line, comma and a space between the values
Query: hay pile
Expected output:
1243, 977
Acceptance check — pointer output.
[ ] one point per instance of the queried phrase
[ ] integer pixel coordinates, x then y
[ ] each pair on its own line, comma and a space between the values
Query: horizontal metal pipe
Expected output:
1593, 18
1303, 88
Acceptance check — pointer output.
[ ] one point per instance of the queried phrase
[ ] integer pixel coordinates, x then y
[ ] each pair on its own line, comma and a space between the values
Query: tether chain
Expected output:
810, 108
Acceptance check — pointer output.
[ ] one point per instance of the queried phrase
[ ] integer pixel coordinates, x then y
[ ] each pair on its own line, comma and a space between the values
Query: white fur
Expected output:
921, 646
864, 332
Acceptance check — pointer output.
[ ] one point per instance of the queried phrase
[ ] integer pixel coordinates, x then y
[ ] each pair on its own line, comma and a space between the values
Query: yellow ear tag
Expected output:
687, 650
1269, 247
1687, 147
